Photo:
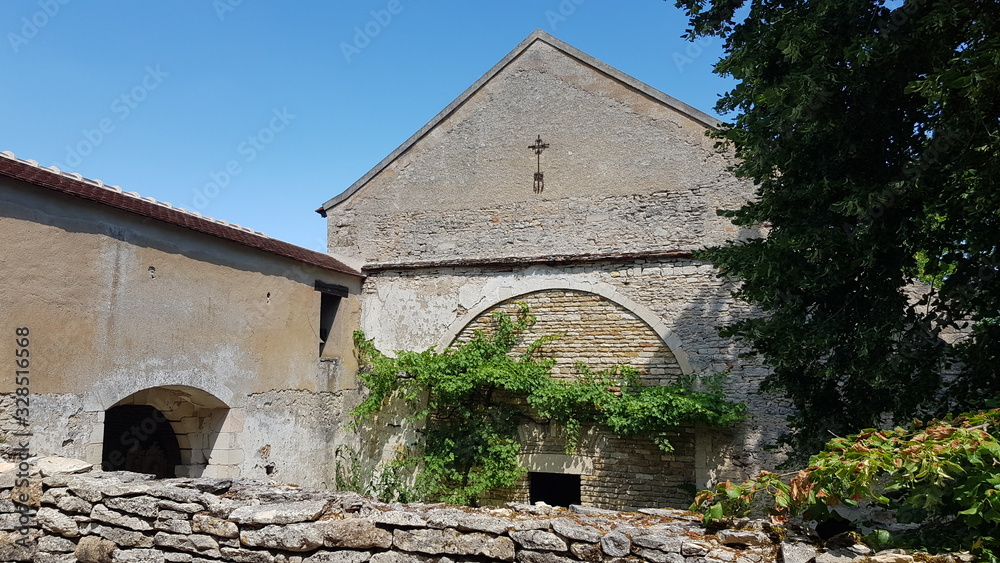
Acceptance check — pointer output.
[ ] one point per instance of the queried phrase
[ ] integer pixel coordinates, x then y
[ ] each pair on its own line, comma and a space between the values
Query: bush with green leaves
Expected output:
469, 399
943, 475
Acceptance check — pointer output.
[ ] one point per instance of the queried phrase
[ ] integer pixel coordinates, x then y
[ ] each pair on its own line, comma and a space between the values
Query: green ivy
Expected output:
469, 399
943, 475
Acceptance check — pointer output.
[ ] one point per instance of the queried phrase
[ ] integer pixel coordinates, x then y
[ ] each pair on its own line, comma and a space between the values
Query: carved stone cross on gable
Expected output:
538, 147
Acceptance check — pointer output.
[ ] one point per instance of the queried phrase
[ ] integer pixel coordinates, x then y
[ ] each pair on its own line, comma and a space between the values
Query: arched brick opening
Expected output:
592, 329
197, 420
617, 472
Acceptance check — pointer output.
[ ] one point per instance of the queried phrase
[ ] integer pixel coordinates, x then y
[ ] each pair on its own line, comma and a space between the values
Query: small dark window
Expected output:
555, 489
329, 303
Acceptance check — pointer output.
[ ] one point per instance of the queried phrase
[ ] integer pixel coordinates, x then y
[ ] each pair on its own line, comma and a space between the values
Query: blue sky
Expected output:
258, 111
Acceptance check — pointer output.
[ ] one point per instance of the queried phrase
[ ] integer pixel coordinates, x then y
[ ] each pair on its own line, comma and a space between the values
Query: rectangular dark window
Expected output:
330, 297
555, 489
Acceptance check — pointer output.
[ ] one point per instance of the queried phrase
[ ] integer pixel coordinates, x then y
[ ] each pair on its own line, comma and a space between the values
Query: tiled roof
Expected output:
94, 190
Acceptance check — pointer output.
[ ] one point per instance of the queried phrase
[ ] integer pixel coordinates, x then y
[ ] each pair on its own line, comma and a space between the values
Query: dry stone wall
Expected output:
65, 512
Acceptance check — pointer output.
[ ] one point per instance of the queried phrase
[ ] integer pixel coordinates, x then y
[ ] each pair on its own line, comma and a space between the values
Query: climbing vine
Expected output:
469, 399
943, 475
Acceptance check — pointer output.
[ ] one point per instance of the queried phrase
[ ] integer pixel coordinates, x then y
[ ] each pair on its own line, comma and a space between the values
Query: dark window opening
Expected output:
327, 314
139, 438
555, 489
330, 296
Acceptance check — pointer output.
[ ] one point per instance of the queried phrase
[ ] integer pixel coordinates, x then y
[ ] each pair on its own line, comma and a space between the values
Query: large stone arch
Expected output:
513, 289
601, 328
208, 432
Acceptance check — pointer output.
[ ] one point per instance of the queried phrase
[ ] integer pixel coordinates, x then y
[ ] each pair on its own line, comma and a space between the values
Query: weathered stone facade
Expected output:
448, 229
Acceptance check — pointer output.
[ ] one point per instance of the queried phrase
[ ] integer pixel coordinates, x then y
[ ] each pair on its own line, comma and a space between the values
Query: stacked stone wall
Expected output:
663, 220
64, 512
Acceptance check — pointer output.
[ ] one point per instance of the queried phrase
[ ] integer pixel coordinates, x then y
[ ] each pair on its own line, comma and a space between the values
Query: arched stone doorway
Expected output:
172, 430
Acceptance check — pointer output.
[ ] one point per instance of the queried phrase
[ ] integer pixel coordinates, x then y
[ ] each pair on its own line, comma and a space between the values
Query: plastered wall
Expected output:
123, 309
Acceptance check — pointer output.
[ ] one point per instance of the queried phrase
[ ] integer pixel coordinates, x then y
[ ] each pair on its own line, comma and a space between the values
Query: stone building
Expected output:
160, 340
561, 182
163, 341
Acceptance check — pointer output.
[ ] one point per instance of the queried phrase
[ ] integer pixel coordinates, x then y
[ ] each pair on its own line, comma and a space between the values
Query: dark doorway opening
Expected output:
555, 489
139, 438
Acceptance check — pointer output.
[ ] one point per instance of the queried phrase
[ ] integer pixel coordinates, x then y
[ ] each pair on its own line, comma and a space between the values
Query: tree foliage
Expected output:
871, 130
469, 399
943, 475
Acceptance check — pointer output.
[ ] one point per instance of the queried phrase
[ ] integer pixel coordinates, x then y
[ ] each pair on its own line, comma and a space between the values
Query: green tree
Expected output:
871, 130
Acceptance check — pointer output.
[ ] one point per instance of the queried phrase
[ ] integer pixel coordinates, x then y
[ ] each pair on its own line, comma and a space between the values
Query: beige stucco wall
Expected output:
623, 172
117, 303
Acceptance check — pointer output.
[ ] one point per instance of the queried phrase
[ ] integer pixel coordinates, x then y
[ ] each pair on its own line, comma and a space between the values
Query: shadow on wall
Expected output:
741, 452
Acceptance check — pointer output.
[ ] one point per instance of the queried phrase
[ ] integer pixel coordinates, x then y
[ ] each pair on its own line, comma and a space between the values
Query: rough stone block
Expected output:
451, 542
342, 556
526, 556
101, 513
122, 538
279, 513
205, 524
55, 544
571, 529
52, 465
298, 537
354, 533
238, 555
55, 522
616, 544
795, 552
194, 544
695, 548
142, 506
43, 557
70, 503
137, 556
539, 540
92, 549
743, 537
173, 526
